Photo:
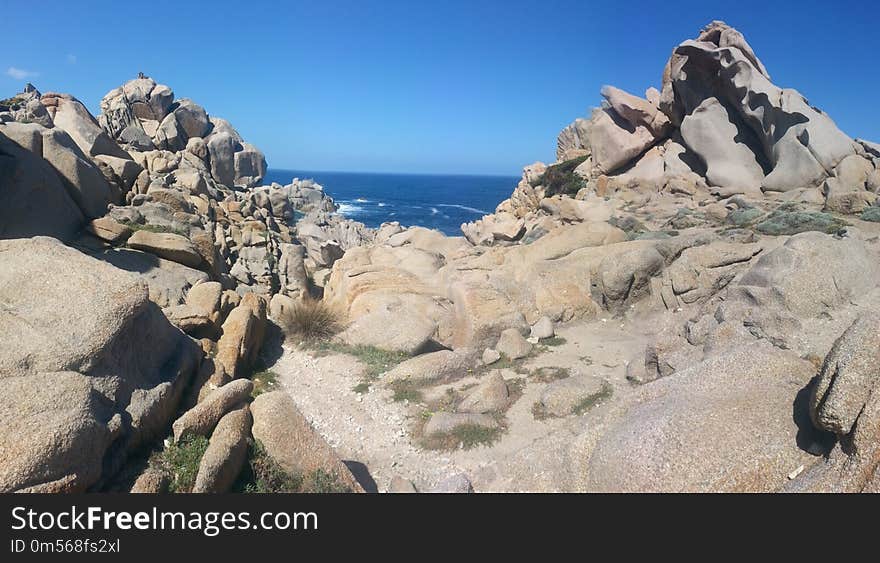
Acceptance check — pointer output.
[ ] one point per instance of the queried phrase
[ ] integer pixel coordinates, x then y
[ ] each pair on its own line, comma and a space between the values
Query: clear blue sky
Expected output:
468, 87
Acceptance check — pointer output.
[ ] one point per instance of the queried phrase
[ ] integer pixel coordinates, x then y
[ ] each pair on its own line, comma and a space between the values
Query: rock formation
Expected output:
171, 239
728, 225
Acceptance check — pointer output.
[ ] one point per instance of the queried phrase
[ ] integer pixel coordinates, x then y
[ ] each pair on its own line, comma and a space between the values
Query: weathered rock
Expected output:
512, 344
390, 330
226, 453
813, 272
87, 360
202, 418
243, 334
849, 377
400, 485
543, 329
490, 356
431, 367
743, 399
289, 439
489, 396
33, 199
108, 229
170, 246
454, 484
573, 395
713, 133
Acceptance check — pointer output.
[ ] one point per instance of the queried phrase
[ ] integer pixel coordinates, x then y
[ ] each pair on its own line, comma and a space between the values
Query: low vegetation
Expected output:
562, 179
788, 220
376, 361
264, 381
589, 402
549, 374
406, 391
465, 436
180, 463
262, 474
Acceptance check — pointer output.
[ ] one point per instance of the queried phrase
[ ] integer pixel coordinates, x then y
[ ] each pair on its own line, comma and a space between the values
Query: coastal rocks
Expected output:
170, 246
33, 199
798, 143
573, 141
711, 132
498, 227
742, 399
80, 382
454, 484
813, 272
143, 116
243, 334
289, 439
542, 329
849, 376
202, 418
226, 453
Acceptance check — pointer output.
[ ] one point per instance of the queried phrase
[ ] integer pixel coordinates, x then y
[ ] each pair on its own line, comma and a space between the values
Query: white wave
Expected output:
349, 209
434, 211
362, 200
382, 204
464, 207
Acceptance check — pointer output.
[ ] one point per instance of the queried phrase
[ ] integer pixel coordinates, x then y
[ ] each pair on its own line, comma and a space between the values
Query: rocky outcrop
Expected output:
143, 116
92, 368
289, 439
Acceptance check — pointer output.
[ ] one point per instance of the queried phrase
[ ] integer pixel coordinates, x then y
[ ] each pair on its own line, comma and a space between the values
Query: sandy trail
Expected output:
532, 455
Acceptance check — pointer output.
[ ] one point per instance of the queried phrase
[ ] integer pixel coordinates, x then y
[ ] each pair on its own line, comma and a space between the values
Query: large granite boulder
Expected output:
727, 424
92, 368
33, 199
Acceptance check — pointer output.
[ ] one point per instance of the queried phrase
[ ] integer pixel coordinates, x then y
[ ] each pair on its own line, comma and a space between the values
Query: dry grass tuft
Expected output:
310, 320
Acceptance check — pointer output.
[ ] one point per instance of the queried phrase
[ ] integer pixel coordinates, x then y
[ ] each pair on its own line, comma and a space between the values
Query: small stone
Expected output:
543, 329
490, 356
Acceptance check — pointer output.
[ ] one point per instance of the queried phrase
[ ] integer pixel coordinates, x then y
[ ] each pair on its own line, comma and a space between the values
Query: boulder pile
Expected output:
141, 255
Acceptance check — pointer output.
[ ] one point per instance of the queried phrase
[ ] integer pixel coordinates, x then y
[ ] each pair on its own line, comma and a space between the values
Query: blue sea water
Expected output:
440, 202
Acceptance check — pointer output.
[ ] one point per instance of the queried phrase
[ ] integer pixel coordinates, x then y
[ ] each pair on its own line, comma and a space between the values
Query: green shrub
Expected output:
871, 214
561, 178
784, 221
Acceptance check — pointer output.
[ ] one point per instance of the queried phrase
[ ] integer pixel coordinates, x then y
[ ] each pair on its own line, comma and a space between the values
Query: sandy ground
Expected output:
532, 455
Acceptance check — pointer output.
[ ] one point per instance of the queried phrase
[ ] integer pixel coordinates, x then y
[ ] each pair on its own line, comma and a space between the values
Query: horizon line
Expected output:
461, 174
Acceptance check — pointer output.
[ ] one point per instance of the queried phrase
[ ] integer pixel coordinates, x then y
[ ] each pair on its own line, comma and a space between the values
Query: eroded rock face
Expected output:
92, 367
743, 400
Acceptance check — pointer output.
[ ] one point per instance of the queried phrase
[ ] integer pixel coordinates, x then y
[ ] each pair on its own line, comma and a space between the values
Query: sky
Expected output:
478, 87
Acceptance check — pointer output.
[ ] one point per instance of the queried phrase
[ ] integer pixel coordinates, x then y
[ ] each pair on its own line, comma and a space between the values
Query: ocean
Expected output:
441, 202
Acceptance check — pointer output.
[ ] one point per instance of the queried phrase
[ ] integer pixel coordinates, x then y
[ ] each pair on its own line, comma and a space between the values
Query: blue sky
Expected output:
466, 87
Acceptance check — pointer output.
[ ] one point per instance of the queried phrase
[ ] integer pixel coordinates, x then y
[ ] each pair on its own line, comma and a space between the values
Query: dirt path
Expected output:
532, 455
